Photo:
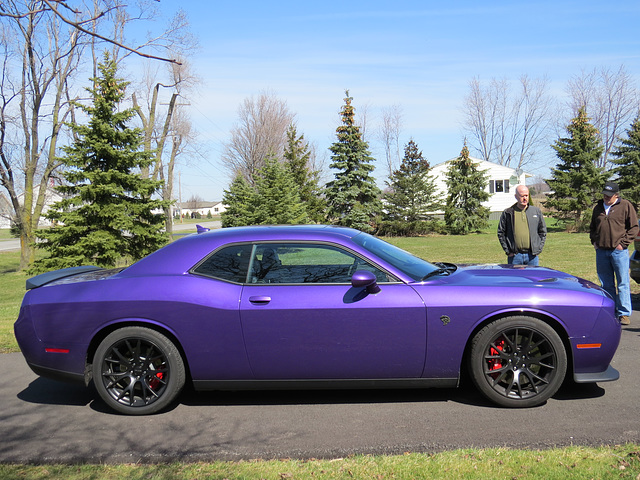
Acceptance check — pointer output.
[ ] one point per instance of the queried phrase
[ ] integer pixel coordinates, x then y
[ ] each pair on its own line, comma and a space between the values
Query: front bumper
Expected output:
634, 264
609, 375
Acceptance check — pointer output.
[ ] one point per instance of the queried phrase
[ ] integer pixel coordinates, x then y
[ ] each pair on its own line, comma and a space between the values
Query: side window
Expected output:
307, 263
229, 263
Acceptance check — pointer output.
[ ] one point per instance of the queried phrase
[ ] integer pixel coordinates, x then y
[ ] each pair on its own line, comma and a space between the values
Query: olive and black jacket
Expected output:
537, 230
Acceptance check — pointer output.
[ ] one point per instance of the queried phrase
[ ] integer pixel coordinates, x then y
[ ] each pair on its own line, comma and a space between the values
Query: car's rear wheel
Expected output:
518, 361
138, 371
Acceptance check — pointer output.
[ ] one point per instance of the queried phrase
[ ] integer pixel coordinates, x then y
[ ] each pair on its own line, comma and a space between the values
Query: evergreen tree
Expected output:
411, 189
107, 211
238, 200
353, 197
576, 181
627, 157
466, 184
276, 200
297, 157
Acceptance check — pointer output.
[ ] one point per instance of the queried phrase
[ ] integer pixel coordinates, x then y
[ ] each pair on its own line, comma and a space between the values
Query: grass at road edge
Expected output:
619, 462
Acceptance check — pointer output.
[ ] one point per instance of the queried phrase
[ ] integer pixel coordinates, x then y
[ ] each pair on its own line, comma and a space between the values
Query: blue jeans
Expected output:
523, 259
613, 265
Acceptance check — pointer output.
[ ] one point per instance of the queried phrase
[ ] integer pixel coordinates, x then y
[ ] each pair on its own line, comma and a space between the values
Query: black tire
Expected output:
138, 371
518, 362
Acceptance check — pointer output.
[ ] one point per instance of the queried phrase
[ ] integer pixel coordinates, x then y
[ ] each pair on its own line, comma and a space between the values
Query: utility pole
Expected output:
180, 195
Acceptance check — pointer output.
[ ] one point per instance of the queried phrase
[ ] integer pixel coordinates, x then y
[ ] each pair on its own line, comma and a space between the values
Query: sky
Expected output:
418, 55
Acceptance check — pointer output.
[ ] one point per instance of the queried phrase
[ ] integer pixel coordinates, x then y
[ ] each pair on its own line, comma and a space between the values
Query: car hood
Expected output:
516, 276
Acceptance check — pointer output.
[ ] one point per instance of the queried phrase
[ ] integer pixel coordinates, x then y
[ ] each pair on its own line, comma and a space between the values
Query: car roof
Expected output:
181, 255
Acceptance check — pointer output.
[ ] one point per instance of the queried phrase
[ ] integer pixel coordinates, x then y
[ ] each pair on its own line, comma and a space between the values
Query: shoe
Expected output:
624, 320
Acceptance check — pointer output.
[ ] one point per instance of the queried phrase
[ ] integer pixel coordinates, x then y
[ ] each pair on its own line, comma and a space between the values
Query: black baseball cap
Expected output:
610, 189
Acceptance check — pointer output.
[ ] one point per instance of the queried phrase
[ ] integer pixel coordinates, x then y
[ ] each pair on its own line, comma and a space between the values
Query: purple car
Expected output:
313, 307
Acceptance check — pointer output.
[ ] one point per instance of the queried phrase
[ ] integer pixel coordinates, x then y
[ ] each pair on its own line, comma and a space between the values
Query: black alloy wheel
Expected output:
518, 362
138, 371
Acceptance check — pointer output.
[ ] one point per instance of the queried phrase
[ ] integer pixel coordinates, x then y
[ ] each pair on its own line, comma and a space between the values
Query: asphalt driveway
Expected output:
46, 421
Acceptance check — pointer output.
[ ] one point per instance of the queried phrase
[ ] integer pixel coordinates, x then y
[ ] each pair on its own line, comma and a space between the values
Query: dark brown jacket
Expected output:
620, 227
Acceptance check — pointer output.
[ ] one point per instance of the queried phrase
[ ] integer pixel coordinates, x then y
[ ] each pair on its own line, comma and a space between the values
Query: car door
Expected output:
302, 319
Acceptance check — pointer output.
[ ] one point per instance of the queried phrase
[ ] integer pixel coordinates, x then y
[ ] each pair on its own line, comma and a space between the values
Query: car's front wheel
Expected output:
518, 361
138, 371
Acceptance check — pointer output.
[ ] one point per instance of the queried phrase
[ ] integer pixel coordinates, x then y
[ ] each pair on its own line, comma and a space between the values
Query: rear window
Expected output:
229, 263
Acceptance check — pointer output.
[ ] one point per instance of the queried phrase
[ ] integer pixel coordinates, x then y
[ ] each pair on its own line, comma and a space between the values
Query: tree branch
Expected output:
50, 4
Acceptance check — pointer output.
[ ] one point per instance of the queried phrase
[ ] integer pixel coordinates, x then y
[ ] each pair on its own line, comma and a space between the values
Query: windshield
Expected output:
409, 264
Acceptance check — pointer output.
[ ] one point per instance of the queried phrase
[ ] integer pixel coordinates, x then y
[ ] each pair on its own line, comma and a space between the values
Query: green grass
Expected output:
619, 462
5, 234
11, 293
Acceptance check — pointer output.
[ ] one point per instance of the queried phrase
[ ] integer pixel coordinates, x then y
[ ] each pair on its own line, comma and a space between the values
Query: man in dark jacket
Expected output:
522, 231
614, 225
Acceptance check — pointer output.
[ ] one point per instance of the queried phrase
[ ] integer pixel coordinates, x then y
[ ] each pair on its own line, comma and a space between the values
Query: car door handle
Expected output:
260, 299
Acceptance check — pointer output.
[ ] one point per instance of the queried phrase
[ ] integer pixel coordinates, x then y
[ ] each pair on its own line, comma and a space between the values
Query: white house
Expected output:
191, 209
6, 210
501, 187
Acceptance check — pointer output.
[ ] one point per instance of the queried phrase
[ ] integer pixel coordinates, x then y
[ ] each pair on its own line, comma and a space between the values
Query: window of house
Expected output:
499, 186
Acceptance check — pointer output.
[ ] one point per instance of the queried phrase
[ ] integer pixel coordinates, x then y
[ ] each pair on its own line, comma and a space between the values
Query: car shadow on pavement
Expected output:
50, 392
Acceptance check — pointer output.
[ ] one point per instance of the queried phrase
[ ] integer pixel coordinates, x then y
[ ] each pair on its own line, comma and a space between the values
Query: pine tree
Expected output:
297, 157
107, 211
238, 201
466, 184
353, 197
411, 190
576, 181
627, 157
273, 200
276, 200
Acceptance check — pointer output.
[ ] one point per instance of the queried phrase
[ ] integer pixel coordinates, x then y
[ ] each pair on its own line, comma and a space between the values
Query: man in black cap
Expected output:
614, 225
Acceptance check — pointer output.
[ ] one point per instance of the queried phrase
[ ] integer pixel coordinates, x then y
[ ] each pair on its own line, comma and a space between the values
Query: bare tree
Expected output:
389, 135
508, 128
41, 55
194, 202
161, 124
260, 132
611, 100
76, 18
362, 119
44, 42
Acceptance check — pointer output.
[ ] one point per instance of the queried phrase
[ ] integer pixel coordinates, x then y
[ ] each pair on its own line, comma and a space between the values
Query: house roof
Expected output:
196, 205
483, 165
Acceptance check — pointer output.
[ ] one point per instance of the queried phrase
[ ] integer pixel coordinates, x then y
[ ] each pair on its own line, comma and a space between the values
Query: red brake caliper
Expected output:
496, 363
154, 382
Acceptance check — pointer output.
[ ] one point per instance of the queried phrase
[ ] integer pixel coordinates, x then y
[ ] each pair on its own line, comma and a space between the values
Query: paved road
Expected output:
9, 245
46, 421
14, 243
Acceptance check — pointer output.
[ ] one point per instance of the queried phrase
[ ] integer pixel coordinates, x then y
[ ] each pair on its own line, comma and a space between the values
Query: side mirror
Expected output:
365, 279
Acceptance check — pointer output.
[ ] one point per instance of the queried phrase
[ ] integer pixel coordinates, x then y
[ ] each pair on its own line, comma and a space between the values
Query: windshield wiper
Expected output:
443, 268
